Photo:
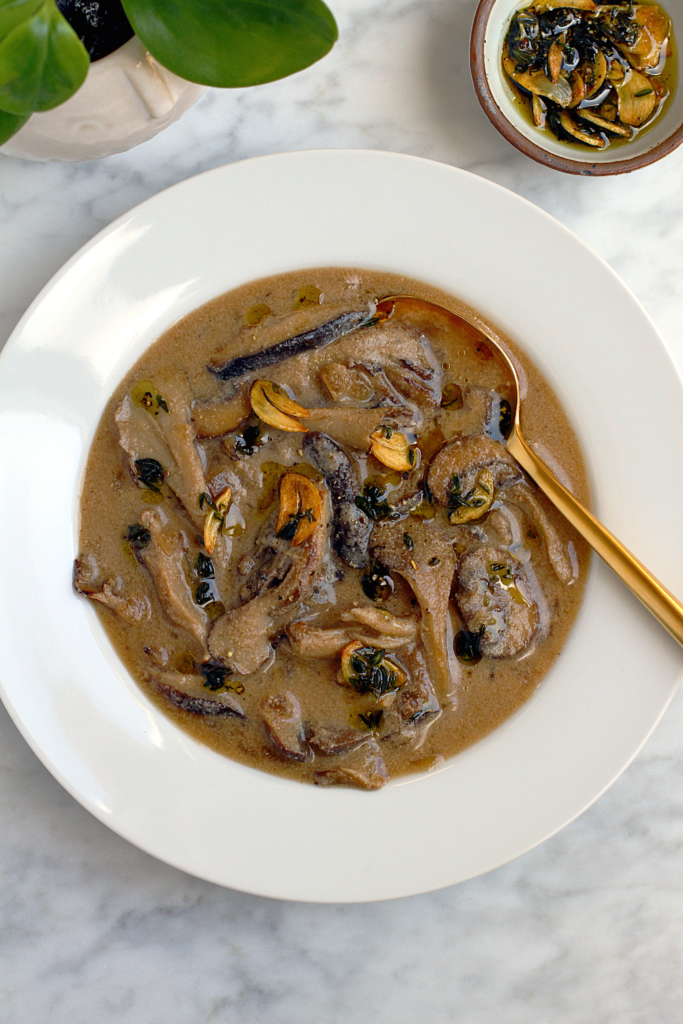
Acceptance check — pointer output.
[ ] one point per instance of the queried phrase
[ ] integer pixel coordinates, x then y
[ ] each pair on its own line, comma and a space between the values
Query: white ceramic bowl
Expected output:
64, 685
497, 98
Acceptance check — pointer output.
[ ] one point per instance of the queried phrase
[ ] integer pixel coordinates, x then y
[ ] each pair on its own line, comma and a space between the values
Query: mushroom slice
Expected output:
578, 89
281, 713
572, 128
241, 637
651, 26
383, 622
538, 111
391, 448
187, 692
318, 337
329, 741
168, 440
272, 404
617, 129
636, 98
345, 384
351, 528
363, 768
456, 467
133, 608
493, 597
537, 82
557, 555
594, 74
555, 61
577, 5
216, 420
476, 502
350, 427
428, 567
300, 508
312, 642
164, 558
215, 517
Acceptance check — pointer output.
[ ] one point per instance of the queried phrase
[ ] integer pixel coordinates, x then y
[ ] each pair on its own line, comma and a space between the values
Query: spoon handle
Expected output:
656, 598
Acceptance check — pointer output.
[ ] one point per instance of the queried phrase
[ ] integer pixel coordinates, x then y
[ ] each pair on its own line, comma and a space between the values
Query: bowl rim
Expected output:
531, 149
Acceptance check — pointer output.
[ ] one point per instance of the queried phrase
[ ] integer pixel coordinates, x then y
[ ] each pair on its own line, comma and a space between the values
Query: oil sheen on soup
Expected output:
305, 538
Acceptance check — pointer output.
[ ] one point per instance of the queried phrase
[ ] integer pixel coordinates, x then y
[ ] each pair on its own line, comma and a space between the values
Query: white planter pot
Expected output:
127, 98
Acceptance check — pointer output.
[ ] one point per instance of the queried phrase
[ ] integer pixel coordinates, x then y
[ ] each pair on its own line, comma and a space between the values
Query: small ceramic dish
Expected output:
497, 97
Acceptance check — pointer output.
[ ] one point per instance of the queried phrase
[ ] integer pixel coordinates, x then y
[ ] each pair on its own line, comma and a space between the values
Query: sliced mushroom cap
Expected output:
493, 596
216, 420
346, 384
169, 439
636, 98
654, 29
465, 458
349, 427
351, 527
600, 122
428, 567
571, 127
578, 5
578, 89
187, 692
329, 741
131, 607
281, 714
594, 73
537, 82
363, 768
311, 642
241, 638
164, 558
555, 61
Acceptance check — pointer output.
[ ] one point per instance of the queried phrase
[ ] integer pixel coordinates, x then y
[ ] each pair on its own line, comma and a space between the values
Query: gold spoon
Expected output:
656, 598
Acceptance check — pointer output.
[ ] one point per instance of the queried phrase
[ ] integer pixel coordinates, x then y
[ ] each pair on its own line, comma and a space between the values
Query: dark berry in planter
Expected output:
101, 24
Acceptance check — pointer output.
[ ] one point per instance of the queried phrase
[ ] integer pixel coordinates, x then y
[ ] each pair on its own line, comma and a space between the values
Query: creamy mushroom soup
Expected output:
306, 540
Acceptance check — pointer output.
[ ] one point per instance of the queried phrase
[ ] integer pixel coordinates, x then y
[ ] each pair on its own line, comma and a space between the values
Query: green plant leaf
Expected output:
42, 62
10, 125
13, 12
233, 43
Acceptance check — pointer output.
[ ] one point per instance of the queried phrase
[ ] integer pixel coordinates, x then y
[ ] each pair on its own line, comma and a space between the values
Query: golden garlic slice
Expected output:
391, 448
272, 404
215, 517
478, 501
301, 506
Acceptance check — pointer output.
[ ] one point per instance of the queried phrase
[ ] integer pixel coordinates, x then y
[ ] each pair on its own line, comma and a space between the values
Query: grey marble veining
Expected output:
587, 928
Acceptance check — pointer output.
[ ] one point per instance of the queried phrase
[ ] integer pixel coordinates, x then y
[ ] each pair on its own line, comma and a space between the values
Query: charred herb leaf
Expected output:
288, 531
216, 676
203, 595
523, 39
408, 541
374, 673
505, 418
372, 719
467, 646
150, 473
373, 502
204, 567
456, 499
247, 442
137, 536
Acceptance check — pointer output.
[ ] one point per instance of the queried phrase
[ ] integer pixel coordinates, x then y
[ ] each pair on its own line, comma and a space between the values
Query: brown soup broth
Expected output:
329, 733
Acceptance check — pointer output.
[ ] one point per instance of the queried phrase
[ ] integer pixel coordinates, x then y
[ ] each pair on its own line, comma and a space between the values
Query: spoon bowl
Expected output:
657, 599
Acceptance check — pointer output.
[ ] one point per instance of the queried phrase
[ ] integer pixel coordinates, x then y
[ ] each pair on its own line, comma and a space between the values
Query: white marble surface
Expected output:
586, 929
